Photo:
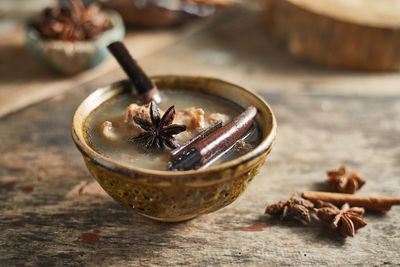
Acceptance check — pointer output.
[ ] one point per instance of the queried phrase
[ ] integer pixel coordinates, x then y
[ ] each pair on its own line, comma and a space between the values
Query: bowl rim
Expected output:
265, 145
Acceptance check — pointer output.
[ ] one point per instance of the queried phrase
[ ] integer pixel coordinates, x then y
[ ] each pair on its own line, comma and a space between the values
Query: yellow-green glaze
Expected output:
176, 196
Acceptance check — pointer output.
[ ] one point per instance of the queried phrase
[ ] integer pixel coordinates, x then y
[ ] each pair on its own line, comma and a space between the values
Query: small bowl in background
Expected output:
158, 14
72, 57
176, 196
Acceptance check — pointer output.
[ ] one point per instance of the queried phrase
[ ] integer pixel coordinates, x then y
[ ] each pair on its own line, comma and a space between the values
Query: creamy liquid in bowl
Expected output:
132, 154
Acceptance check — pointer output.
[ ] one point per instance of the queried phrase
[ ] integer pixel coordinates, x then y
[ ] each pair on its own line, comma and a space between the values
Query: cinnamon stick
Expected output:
369, 203
146, 89
178, 152
215, 144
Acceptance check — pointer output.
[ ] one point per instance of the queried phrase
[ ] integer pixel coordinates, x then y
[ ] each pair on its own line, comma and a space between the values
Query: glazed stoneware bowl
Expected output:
176, 196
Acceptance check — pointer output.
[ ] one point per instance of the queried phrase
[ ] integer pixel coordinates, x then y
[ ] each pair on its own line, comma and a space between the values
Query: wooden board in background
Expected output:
352, 34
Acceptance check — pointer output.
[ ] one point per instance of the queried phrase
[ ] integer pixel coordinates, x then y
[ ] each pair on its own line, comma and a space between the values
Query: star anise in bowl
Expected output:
159, 132
343, 181
296, 208
347, 219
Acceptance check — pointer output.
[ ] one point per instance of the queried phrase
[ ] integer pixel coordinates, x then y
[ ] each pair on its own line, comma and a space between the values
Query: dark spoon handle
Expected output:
144, 86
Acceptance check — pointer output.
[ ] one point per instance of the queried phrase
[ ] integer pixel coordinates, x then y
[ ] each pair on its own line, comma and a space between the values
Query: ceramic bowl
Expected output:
73, 57
176, 196
152, 14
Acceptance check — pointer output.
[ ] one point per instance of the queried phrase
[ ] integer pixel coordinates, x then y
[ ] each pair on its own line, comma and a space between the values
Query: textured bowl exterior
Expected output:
174, 196
178, 201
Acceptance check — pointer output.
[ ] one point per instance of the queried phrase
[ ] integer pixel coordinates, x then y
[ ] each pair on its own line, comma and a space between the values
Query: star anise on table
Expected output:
159, 132
343, 181
347, 219
296, 208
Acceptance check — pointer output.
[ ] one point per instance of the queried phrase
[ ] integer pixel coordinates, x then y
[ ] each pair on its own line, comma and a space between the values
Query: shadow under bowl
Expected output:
176, 196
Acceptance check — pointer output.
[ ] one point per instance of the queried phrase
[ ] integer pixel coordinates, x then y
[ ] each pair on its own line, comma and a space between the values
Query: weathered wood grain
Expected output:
45, 226
52, 215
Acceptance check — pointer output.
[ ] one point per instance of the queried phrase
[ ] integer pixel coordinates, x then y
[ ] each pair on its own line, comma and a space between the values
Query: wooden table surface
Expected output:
53, 213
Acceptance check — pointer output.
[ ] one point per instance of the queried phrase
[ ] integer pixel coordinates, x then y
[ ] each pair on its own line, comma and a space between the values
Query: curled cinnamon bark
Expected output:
178, 152
369, 203
215, 144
